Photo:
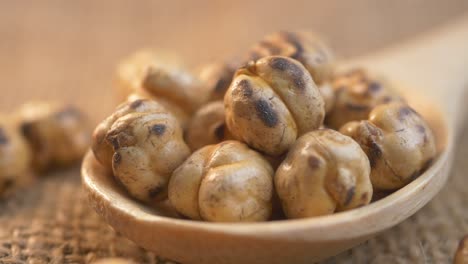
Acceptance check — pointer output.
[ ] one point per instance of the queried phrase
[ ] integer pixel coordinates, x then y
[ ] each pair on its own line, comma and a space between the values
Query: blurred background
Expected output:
67, 50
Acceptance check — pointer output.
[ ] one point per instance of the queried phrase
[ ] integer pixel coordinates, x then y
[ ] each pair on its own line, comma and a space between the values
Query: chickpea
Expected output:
161, 77
302, 46
147, 145
398, 142
207, 126
227, 182
461, 256
15, 156
59, 135
271, 102
324, 172
102, 149
356, 94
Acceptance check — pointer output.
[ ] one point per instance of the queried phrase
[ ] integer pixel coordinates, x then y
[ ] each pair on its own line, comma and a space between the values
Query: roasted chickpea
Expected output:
59, 135
227, 182
163, 78
207, 126
324, 172
356, 94
15, 156
131, 71
147, 145
461, 256
102, 149
216, 78
398, 142
302, 46
271, 102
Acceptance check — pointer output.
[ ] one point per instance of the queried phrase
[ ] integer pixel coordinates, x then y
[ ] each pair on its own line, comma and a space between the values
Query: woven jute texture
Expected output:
51, 222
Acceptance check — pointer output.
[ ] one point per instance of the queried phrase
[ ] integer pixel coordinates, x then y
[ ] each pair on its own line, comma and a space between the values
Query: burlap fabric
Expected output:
51, 222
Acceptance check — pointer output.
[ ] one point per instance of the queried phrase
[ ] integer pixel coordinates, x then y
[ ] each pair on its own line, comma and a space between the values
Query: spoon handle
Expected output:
434, 66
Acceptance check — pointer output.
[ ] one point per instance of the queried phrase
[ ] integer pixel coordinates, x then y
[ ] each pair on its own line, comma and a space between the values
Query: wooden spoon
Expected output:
434, 69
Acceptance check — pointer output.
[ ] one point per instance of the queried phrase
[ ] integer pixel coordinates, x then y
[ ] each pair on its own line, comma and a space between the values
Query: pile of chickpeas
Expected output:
38, 137
279, 134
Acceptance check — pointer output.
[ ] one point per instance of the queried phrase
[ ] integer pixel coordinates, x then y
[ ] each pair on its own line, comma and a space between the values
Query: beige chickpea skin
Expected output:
324, 172
398, 142
461, 255
227, 182
302, 46
58, 135
161, 77
102, 149
182, 116
328, 95
15, 156
271, 102
356, 93
216, 78
146, 146
207, 126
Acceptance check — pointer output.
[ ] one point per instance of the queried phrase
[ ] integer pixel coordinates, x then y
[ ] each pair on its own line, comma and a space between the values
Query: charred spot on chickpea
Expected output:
314, 162
292, 70
219, 131
266, 113
26, 128
154, 192
117, 159
9, 182
137, 103
246, 88
158, 129
3, 137
349, 195
294, 40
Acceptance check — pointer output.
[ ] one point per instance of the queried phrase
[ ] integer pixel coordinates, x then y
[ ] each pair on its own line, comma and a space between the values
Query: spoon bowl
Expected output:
431, 65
